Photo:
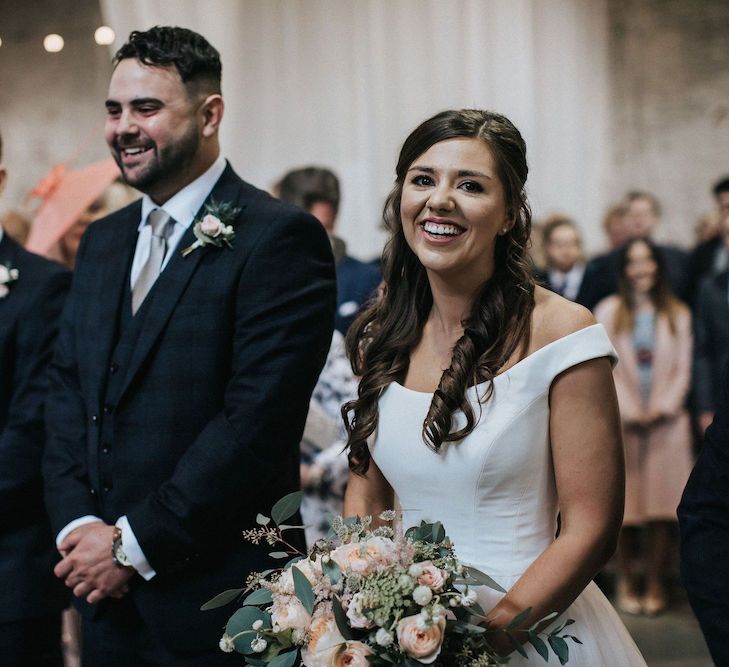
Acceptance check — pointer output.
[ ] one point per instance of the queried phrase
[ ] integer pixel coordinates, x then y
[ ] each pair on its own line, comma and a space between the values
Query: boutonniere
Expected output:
214, 228
8, 276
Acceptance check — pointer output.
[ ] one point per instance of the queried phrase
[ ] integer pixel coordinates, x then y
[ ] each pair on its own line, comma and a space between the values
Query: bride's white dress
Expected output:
495, 490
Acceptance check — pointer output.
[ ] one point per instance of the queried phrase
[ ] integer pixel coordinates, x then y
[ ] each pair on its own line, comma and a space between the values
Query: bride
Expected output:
485, 402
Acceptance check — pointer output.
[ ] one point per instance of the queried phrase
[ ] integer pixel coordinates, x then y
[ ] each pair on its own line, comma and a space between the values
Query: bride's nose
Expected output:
441, 198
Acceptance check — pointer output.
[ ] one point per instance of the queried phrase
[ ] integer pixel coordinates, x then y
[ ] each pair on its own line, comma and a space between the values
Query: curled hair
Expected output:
380, 340
194, 58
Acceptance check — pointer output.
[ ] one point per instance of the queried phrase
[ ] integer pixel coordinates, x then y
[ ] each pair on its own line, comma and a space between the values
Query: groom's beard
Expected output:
166, 165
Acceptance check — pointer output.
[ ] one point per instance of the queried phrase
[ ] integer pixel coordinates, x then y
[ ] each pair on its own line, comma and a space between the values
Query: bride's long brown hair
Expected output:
380, 340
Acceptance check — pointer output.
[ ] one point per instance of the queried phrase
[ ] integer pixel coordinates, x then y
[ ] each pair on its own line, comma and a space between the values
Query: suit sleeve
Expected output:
284, 318
65, 479
21, 441
703, 352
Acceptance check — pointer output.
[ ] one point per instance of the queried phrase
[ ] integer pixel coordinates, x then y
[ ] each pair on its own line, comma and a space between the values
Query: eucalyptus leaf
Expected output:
559, 646
519, 618
262, 520
279, 554
295, 559
341, 619
286, 507
303, 590
548, 617
285, 526
438, 532
261, 596
242, 622
331, 570
539, 646
221, 599
284, 659
484, 579
517, 645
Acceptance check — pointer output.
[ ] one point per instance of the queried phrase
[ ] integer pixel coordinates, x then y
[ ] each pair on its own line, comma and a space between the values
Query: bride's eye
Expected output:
471, 186
421, 180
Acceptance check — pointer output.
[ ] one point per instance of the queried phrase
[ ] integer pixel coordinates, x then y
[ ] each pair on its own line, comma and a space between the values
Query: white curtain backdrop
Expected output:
340, 83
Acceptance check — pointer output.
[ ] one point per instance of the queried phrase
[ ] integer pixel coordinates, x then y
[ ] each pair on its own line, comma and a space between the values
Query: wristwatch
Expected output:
117, 550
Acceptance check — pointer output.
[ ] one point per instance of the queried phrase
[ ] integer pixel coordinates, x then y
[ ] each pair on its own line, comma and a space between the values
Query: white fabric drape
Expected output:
340, 83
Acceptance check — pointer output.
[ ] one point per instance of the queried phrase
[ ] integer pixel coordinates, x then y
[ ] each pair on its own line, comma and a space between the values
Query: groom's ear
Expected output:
212, 114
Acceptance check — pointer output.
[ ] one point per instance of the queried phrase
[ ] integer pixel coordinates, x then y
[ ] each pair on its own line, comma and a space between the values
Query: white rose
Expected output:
324, 642
288, 612
354, 613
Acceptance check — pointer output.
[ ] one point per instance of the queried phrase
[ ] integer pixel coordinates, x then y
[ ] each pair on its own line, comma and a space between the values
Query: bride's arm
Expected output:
589, 470
368, 494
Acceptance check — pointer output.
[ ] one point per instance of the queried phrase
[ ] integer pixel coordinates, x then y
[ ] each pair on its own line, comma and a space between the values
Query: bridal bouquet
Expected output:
368, 597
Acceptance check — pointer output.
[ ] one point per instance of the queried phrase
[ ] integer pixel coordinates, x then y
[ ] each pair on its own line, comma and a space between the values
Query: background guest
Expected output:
613, 224
642, 215
324, 465
712, 339
565, 259
32, 292
711, 257
651, 331
316, 190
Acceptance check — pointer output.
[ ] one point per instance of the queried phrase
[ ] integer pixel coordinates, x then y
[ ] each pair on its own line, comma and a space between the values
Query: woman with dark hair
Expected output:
651, 330
485, 402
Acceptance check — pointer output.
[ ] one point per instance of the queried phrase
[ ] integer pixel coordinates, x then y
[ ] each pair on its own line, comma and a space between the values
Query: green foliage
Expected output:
221, 599
286, 507
259, 597
303, 590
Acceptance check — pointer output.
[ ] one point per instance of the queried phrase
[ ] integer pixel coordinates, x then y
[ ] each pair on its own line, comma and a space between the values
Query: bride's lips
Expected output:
440, 231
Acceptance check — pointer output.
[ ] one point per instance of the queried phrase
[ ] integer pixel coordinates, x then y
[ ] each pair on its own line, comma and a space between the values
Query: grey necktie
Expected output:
161, 225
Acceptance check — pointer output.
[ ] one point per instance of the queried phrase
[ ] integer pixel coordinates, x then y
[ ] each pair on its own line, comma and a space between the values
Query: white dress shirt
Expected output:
570, 281
182, 208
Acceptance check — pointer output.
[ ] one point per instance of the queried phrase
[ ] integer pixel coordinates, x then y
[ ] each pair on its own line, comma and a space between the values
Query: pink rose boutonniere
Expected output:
215, 227
8, 276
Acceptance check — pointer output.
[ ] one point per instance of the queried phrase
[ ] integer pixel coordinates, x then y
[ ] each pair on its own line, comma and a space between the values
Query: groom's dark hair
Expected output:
195, 59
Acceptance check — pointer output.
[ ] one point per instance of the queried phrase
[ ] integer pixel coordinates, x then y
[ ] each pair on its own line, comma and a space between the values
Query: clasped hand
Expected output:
87, 567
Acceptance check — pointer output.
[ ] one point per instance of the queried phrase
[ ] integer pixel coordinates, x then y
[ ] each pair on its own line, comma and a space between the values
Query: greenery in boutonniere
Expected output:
215, 226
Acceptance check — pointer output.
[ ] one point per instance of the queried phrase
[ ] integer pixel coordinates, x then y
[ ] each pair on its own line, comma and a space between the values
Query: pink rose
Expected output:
211, 226
432, 577
366, 557
354, 655
288, 612
423, 644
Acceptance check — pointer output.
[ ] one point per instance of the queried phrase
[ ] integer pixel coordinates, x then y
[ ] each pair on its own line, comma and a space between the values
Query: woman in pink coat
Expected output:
651, 331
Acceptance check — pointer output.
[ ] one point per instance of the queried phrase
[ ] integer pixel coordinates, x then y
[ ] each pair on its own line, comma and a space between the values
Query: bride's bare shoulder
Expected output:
555, 317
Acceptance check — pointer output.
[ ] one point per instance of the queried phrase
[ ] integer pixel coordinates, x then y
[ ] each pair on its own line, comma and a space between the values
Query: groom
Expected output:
181, 380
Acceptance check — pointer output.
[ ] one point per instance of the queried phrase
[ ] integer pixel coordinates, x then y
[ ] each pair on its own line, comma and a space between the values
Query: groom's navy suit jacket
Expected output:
704, 522
29, 316
187, 417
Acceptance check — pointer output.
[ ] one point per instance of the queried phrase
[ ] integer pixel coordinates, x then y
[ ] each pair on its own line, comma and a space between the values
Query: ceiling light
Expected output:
104, 35
53, 43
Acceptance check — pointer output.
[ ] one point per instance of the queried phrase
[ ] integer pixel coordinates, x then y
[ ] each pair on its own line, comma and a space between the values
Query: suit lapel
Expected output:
109, 295
177, 274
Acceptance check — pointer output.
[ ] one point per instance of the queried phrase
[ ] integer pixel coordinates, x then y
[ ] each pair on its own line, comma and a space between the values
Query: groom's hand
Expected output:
87, 566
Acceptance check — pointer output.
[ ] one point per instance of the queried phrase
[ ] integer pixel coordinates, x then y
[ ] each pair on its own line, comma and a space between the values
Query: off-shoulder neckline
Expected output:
519, 363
